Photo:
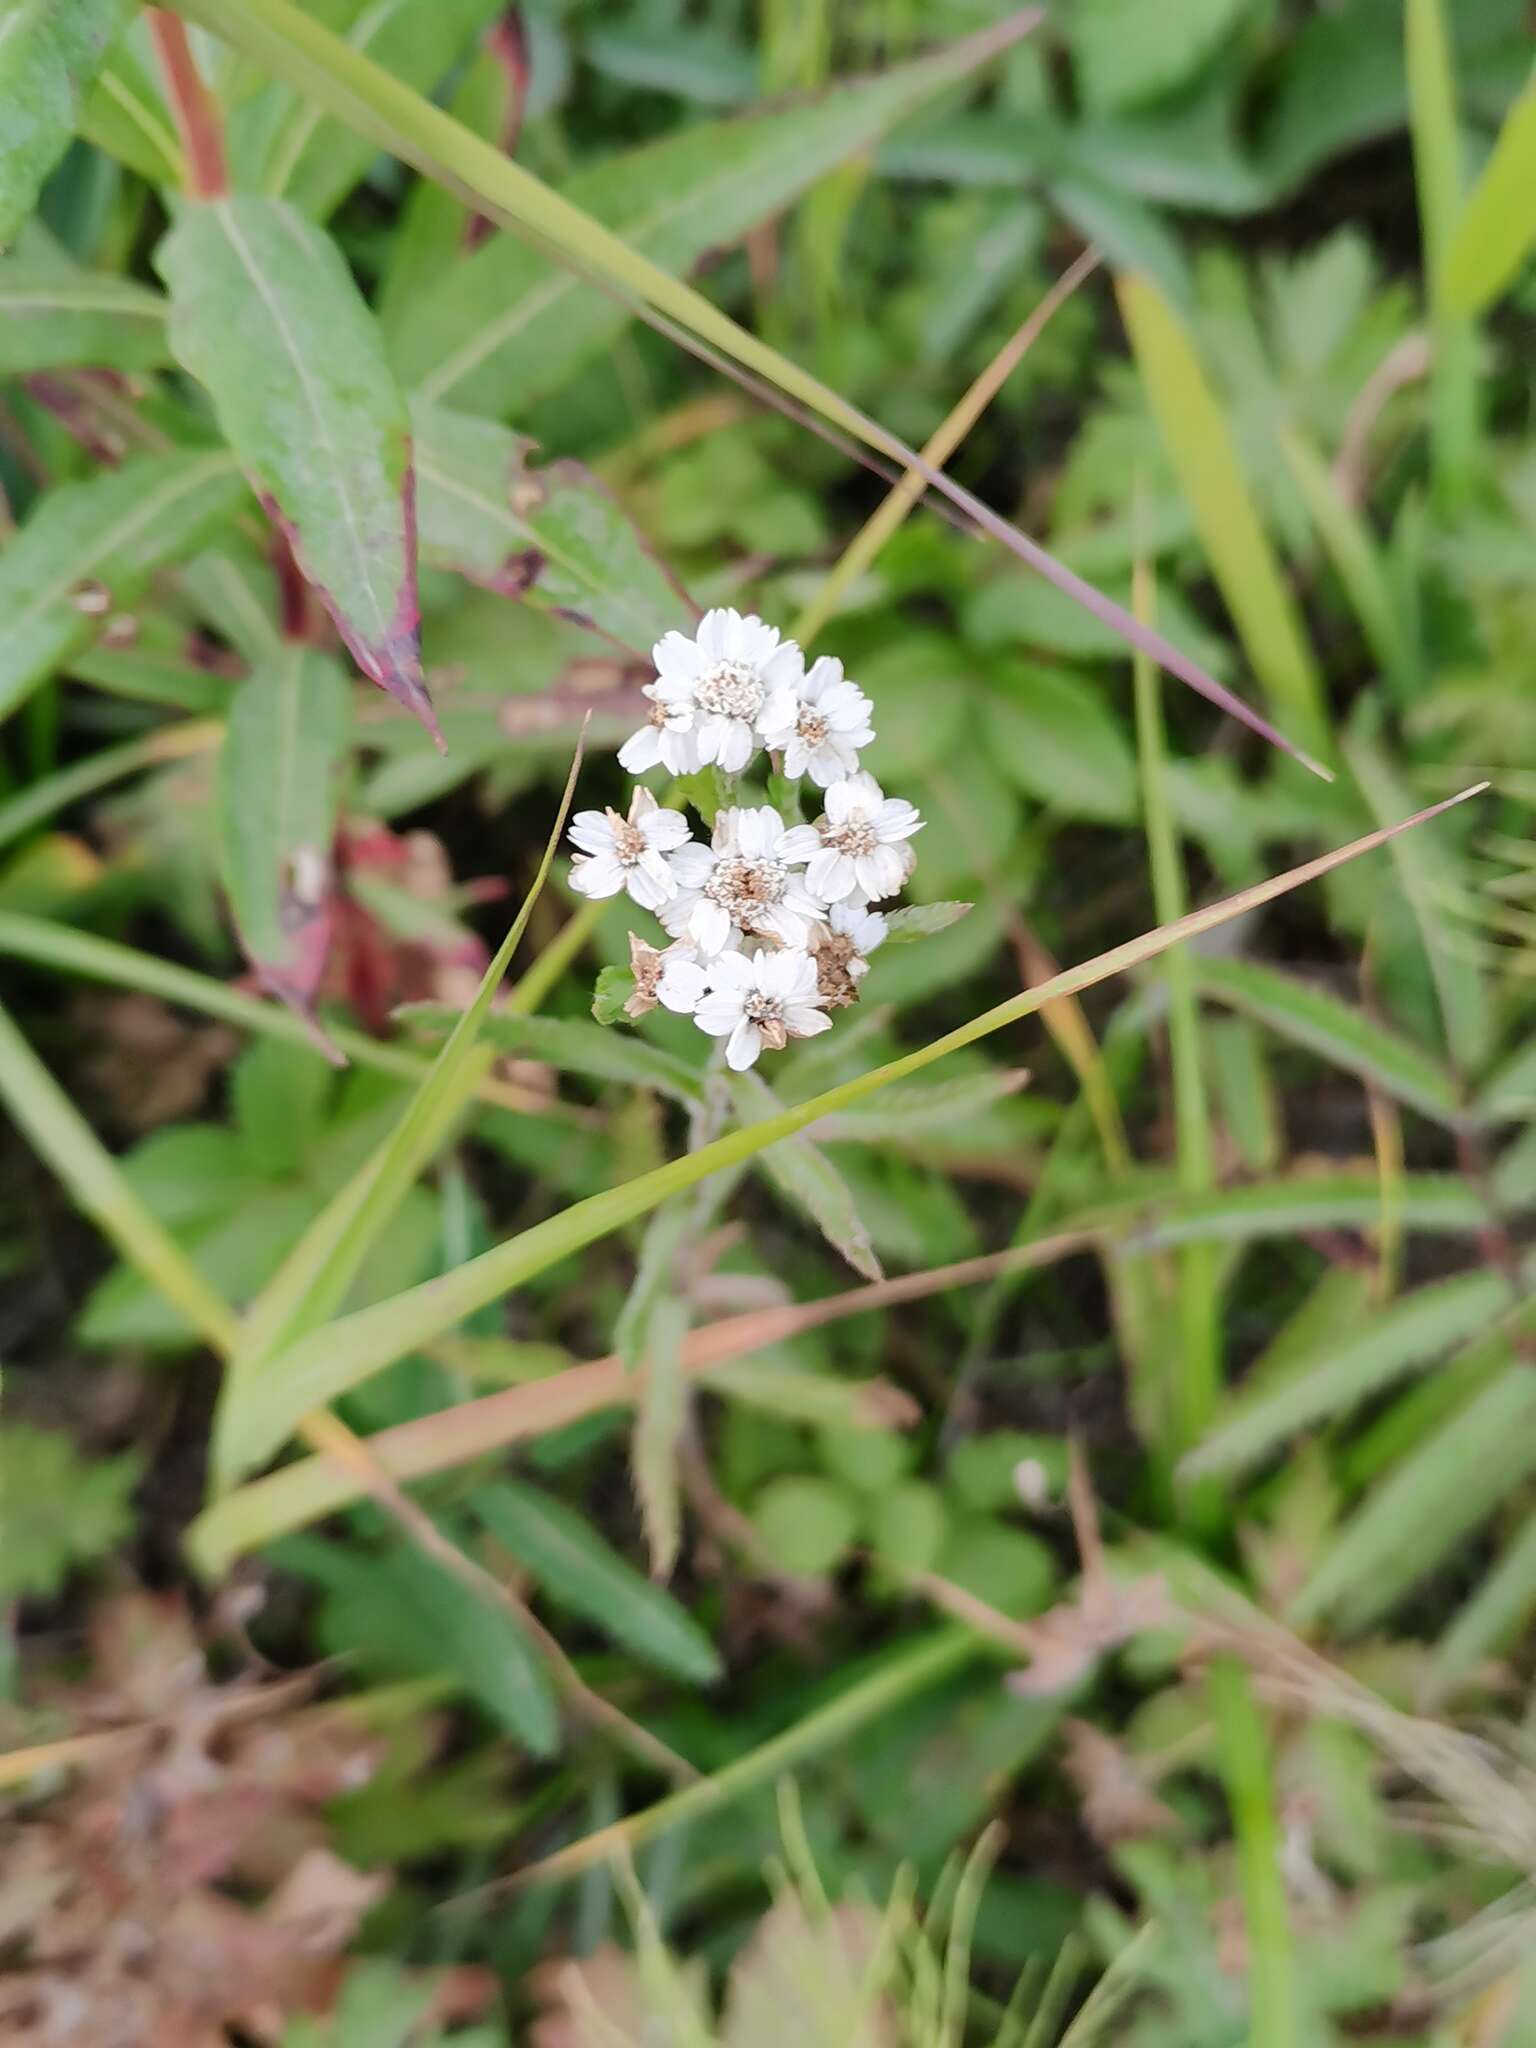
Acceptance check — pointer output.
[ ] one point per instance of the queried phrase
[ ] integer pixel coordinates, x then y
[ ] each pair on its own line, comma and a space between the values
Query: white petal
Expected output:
675, 654
748, 834
785, 925
782, 667
718, 1014
715, 628
683, 986
897, 819
780, 712
600, 875
776, 972
842, 800
743, 1046
693, 864
822, 677
591, 831
679, 751
880, 873
830, 875
708, 737
737, 746
803, 1022
736, 971
664, 830
799, 843
642, 750
710, 926
828, 764
645, 890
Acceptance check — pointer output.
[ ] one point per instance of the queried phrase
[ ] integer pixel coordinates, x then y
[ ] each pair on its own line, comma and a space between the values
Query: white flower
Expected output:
710, 693
628, 853
761, 999
684, 980
842, 947
744, 882
820, 726
863, 845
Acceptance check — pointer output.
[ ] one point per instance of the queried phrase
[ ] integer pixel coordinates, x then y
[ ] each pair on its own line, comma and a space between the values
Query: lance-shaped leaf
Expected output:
550, 534
87, 548
265, 314
50, 50
509, 325
278, 789
53, 315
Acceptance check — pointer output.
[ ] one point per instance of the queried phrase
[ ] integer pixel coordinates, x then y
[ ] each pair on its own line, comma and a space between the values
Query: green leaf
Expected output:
611, 993
125, 115
50, 51
1496, 228
1051, 733
805, 1525
265, 314
550, 535
57, 1509
808, 1180
1334, 1030
924, 1107
52, 315
1200, 446
279, 791
575, 1047
103, 536
508, 326
1123, 55
1426, 1506
922, 920
575, 1566
1351, 1365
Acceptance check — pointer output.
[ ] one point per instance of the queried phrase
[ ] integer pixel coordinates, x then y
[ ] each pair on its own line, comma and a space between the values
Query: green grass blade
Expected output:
1438, 173
1243, 1744
326, 1363
50, 794
1494, 1617
1199, 444
62, 1136
1356, 559
1335, 1031
1497, 226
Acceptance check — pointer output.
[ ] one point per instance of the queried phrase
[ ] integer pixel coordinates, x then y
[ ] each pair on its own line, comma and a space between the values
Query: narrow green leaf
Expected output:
1495, 1616
1439, 175
575, 1566
509, 325
1497, 227
317, 1368
922, 1108
265, 314
1200, 446
279, 790
655, 1345
50, 51
1245, 1746
922, 920
807, 1179
1355, 556
1336, 1032
87, 548
1285, 1208
125, 115
1350, 1366
52, 316
548, 534
1426, 1506
574, 1047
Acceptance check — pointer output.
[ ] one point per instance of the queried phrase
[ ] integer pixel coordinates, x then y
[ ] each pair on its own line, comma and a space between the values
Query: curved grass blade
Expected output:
50, 51
1496, 228
265, 314
53, 316
294, 47
327, 1363
87, 547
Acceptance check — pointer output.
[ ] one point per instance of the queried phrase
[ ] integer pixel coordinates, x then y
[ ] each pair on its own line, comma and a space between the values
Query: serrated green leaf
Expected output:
611, 992
265, 314
1335, 1030
508, 326
103, 536
572, 1563
549, 535
279, 790
54, 315
50, 51
575, 1047
808, 1180
57, 1508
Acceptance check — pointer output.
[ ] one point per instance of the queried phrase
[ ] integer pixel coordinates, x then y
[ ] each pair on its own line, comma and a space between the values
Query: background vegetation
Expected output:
479, 1564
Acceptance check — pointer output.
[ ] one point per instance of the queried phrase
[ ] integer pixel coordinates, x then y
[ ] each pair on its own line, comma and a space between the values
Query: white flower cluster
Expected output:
771, 924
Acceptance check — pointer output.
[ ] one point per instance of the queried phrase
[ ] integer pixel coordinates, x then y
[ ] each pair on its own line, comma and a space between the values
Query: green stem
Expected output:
1274, 2017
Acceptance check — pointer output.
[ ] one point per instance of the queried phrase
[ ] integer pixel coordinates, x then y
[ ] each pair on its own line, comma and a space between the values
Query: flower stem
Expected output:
193, 108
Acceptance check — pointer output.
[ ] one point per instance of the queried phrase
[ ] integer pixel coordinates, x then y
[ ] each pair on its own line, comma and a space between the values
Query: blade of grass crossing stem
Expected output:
872, 536
56, 946
62, 1136
300, 50
915, 1668
1195, 1360
1204, 456
1497, 226
313, 1280
324, 1364
1438, 174
1274, 2016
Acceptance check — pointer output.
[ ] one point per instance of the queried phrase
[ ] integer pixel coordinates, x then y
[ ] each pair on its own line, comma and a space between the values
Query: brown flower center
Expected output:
812, 727
856, 837
628, 840
730, 689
